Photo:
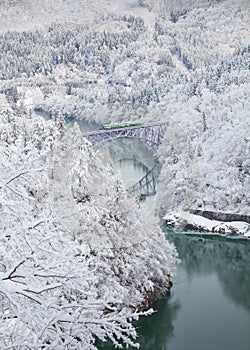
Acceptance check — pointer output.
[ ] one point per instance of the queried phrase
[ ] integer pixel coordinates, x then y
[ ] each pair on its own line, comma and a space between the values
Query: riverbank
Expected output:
201, 223
206, 288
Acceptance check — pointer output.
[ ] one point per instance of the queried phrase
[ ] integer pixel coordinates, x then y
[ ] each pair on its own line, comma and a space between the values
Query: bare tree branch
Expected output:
13, 270
42, 290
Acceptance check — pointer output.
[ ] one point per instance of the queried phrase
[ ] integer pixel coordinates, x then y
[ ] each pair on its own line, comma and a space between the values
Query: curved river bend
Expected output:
209, 305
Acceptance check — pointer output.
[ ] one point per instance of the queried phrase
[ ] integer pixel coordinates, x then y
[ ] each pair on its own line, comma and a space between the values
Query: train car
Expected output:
122, 125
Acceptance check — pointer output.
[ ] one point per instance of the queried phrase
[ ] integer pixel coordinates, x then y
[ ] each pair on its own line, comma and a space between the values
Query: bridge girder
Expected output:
150, 135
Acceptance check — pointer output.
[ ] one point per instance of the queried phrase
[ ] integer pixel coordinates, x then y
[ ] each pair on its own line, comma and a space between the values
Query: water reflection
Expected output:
126, 148
136, 163
131, 169
130, 157
228, 258
156, 330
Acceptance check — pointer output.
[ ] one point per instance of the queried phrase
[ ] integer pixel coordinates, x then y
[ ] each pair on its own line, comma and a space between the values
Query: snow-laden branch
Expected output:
9, 274
8, 181
42, 290
21, 194
66, 285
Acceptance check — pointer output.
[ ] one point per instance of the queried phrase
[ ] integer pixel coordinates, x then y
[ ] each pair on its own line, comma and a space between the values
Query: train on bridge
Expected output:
148, 133
122, 125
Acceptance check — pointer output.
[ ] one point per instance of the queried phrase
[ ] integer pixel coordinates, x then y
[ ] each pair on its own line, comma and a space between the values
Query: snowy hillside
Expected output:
184, 62
73, 245
74, 250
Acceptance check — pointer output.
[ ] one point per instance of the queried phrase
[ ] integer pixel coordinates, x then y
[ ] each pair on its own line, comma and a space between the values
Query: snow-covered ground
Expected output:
187, 64
204, 224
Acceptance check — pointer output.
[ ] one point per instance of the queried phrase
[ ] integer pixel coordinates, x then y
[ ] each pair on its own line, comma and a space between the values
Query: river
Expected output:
84, 125
209, 304
130, 157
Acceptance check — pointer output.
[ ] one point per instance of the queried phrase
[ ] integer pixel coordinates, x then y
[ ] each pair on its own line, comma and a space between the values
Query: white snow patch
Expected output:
204, 224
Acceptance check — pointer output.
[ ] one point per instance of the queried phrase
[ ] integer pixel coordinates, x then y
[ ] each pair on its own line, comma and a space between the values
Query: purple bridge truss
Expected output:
151, 134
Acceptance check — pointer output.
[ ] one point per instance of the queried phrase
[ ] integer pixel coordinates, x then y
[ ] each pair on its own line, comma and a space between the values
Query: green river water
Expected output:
208, 307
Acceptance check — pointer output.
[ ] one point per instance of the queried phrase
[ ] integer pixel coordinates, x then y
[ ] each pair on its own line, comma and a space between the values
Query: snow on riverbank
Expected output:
200, 223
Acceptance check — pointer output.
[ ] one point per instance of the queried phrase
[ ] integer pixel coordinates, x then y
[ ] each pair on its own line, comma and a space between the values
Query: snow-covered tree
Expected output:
78, 259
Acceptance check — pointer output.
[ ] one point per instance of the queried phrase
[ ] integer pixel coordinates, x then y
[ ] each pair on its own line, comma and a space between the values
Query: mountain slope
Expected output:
188, 64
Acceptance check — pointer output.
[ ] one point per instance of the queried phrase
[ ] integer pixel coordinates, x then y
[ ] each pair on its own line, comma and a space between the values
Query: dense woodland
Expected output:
186, 64
69, 253
72, 268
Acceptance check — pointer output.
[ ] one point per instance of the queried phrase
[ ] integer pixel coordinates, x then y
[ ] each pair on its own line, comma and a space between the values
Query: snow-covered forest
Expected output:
76, 254
78, 259
183, 62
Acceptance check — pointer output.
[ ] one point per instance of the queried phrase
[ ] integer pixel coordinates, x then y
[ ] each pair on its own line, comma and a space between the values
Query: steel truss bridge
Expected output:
151, 134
